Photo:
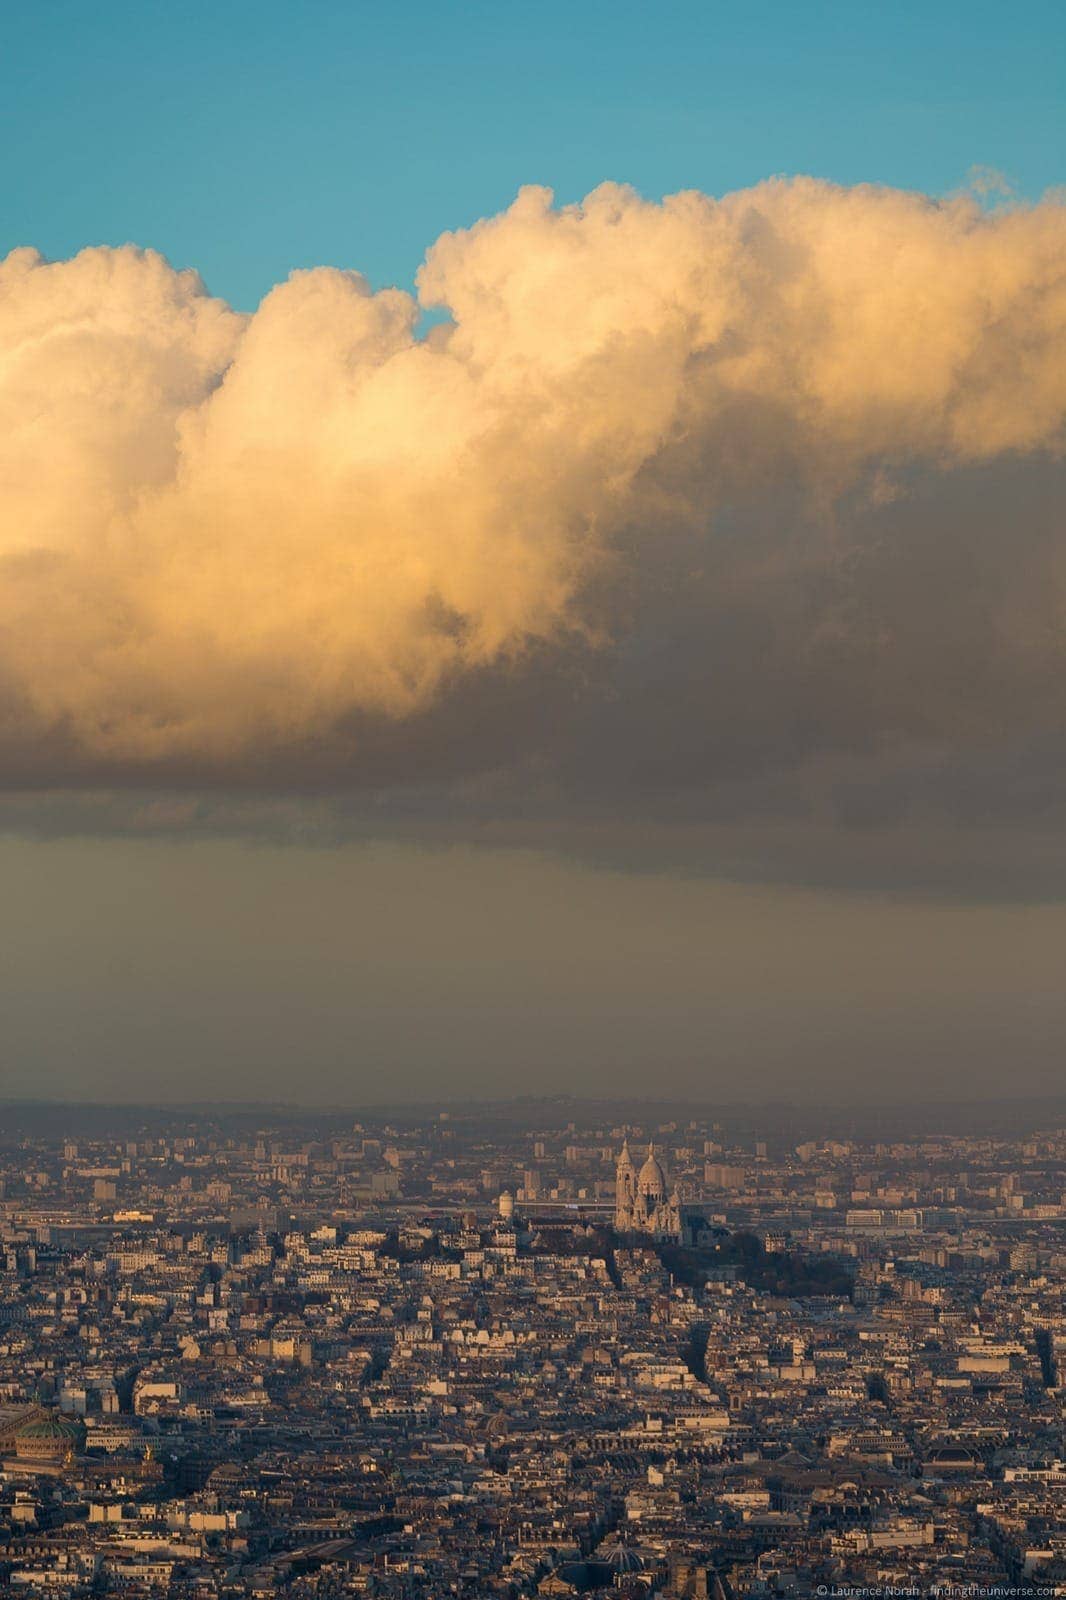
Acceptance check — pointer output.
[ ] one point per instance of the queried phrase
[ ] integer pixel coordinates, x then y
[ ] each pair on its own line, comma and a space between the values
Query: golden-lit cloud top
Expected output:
224, 533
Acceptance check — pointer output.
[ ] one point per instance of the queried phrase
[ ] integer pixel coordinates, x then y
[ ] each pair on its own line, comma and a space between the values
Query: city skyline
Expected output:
510, 1354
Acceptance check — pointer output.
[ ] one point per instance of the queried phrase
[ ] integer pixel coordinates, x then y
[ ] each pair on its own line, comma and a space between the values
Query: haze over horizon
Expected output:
629, 651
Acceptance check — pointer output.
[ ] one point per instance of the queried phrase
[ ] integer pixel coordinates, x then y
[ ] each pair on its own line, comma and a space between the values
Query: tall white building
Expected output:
643, 1203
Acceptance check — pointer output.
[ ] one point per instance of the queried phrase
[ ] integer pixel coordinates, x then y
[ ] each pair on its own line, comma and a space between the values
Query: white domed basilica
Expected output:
643, 1203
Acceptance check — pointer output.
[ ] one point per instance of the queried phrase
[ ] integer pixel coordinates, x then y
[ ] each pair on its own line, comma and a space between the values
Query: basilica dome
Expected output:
652, 1179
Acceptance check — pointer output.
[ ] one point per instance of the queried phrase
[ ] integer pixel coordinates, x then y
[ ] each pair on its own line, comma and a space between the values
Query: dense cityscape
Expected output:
547, 1348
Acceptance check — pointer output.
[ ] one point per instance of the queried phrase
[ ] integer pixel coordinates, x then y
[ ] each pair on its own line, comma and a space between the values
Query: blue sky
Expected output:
249, 138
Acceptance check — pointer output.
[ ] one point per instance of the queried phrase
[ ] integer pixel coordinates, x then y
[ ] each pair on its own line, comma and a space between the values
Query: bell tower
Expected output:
625, 1191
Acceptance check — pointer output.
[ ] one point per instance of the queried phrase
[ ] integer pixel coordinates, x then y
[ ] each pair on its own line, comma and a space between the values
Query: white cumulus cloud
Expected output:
224, 533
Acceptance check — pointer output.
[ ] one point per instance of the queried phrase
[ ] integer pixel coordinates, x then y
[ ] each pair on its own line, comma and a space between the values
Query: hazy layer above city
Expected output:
152, 970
